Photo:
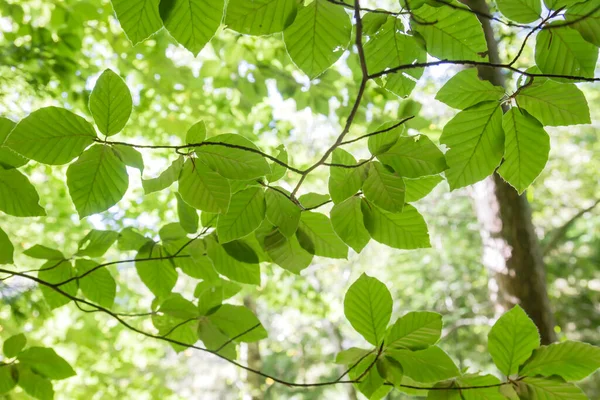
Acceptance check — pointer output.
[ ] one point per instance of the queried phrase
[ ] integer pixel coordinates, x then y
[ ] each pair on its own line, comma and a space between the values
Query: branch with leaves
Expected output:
248, 217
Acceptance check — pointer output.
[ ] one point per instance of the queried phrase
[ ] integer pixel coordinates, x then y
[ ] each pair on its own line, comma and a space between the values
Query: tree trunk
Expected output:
512, 252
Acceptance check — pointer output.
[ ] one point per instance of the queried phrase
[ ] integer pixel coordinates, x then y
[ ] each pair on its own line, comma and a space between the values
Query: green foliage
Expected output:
247, 184
512, 340
553, 45
110, 103
368, 307
13, 345
476, 140
51, 135
409, 351
524, 11
465, 89
527, 147
97, 180
317, 37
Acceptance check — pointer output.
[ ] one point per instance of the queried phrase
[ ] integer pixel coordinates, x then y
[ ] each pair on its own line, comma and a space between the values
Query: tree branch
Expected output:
559, 233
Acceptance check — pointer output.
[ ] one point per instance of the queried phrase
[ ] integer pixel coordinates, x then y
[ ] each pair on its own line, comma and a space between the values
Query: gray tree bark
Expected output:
512, 251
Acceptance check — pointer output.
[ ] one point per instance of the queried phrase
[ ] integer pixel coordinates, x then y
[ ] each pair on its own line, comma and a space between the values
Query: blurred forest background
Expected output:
51, 53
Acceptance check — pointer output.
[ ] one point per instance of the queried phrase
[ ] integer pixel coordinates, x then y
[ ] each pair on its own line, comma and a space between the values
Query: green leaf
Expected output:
347, 222
415, 331
406, 230
389, 48
465, 89
233, 162
384, 188
527, 149
188, 216
130, 240
130, 157
282, 212
278, 170
373, 21
556, 4
450, 33
413, 157
418, 188
177, 320
7, 381
351, 356
287, 252
43, 253
35, 385
13, 345
97, 180
196, 134
313, 200
316, 235
523, 11
260, 17
199, 265
214, 339
179, 307
588, 20
18, 197
53, 272
230, 267
96, 243
383, 141
572, 361
157, 274
203, 189
368, 307
211, 294
564, 51
46, 362
51, 135
371, 381
245, 214
429, 365
193, 23
8, 157
344, 182
241, 251
99, 286
391, 370
555, 104
476, 143
512, 339
318, 37
165, 179
234, 321
138, 18
110, 103
531, 388
6, 249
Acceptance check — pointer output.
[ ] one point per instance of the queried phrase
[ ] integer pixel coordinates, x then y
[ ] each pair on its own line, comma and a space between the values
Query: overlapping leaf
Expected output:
192, 23
318, 36
406, 230
51, 135
110, 103
139, 19
97, 180
260, 17
527, 148
476, 143
368, 307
